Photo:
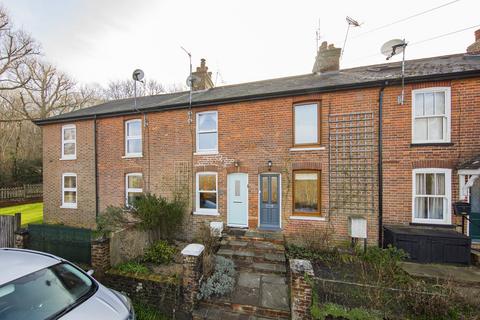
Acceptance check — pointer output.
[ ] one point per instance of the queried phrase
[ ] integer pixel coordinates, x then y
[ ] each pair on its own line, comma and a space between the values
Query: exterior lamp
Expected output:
269, 163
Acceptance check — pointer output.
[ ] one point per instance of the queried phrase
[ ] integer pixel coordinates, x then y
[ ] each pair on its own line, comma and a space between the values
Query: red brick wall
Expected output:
83, 166
400, 158
253, 133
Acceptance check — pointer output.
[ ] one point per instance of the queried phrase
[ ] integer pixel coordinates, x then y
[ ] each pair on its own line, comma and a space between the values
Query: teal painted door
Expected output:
237, 190
475, 215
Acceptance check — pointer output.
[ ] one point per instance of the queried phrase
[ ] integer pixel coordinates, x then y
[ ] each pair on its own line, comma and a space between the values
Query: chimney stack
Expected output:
205, 77
474, 48
328, 58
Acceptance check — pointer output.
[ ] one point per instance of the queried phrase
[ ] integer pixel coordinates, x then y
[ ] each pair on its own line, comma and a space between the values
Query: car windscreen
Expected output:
45, 294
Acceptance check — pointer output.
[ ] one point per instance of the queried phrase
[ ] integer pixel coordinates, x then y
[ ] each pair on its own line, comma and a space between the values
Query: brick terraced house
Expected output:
300, 154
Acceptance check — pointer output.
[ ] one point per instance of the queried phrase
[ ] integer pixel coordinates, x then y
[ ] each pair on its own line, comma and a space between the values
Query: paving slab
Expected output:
225, 252
245, 253
274, 278
249, 280
246, 296
274, 296
444, 272
269, 267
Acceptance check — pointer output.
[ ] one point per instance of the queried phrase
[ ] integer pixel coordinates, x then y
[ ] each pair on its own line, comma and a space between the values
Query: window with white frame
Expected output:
69, 142
207, 131
207, 196
431, 115
69, 190
133, 187
133, 138
432, 196
306, 124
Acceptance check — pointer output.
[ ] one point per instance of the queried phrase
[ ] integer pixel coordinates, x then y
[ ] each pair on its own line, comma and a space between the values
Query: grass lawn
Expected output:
31, 213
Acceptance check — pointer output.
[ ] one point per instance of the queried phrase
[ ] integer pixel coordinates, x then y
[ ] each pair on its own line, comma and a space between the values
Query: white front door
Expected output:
237, 190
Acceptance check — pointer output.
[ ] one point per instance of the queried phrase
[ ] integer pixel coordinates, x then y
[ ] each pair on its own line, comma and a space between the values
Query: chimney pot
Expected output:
205, 77
328, 58
474, 48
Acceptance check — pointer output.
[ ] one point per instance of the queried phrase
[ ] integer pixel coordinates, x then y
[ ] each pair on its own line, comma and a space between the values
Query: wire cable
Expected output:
422, 41
405, 19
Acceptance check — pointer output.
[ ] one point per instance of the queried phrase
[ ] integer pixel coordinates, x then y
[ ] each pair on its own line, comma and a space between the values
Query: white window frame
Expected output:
127, 138
132, 190
198, 132
447, 214
448, 106
64, 141
317, 142
64, 189
203, 211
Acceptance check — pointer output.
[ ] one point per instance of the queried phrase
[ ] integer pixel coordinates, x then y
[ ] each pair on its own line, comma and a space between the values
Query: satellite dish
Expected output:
191, 80
393, 47
138, 75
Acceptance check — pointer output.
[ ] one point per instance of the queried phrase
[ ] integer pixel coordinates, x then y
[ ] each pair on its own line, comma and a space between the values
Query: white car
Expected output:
39, 286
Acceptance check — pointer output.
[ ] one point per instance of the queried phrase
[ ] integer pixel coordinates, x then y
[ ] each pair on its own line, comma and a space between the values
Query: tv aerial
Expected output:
137, 76
390, 49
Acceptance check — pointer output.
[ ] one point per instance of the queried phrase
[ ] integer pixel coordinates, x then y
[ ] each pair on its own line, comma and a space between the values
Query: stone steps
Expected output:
208, 313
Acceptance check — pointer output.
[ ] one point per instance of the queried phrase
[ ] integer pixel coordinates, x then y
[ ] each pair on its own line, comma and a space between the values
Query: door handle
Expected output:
237, 202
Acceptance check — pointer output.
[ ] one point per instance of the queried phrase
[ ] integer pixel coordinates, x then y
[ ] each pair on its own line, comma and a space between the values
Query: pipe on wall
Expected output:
380, 164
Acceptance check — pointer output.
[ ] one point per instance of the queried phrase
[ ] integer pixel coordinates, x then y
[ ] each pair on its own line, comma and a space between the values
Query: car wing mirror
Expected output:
90, 272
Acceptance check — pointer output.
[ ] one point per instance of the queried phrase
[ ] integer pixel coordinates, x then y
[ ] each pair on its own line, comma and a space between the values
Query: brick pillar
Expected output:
192, 271
100, 251
21, 238
300, 288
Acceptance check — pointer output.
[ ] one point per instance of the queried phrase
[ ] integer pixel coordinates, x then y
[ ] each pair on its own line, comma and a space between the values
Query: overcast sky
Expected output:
100, 40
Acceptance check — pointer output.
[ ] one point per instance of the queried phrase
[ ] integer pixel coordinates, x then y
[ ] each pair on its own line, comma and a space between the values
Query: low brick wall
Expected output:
162, 293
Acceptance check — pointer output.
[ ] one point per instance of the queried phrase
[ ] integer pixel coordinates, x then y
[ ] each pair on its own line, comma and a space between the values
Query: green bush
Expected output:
159, 214
337, 311
132, 267
160, 253
109, 220
144, 312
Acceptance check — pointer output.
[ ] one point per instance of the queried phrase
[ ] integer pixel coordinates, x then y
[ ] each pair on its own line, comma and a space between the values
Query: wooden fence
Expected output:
8, 226
26, 191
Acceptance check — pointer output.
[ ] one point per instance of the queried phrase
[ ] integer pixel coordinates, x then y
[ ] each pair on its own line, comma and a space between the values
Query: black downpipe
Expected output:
96, 163
380, 165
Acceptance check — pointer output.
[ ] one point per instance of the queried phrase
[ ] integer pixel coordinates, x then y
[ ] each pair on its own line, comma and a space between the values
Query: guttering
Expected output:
278, 94
380, 164
96, 165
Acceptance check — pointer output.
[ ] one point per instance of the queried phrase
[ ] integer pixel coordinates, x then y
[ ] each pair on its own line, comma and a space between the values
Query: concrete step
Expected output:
252, 256
247, 235
256, 246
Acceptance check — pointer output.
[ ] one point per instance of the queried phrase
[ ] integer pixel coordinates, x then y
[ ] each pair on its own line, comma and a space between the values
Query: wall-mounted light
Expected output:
236, 163
269, 163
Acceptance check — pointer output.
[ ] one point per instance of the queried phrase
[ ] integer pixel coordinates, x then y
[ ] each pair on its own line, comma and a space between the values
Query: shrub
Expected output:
160, 253
109, 220
221, 281
211, 244
144, 312
133, 267
159, 215
330, 310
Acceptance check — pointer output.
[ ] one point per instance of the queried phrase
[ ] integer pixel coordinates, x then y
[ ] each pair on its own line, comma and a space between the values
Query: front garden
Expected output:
352, 284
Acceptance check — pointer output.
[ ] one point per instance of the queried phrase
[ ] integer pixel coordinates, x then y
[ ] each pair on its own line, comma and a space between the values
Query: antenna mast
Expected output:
190, 81
350, 22
317, 35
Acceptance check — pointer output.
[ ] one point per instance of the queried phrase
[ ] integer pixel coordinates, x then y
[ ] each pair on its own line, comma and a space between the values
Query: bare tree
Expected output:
122, 89
45, 92
15, 47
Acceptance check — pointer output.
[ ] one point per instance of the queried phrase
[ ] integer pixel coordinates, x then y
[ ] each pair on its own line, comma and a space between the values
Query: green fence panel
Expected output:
69, 243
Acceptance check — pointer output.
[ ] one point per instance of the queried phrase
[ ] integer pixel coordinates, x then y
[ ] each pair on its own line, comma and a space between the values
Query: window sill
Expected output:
431, 144
201, 213
66, 159
307, 148
307, 218
68, 207
205, 153
132, 156
431, 223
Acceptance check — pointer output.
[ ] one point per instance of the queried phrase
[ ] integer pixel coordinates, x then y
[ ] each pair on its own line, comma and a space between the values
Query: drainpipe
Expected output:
96, 163
380, 165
